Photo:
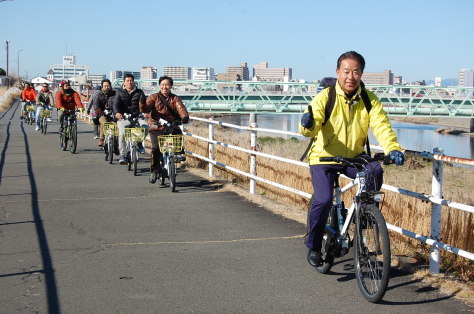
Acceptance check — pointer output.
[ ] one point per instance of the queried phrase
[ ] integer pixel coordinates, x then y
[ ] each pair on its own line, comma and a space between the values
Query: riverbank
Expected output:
463, 123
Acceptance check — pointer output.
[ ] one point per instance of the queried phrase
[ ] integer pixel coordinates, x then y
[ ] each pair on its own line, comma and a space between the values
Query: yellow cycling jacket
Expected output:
346, 130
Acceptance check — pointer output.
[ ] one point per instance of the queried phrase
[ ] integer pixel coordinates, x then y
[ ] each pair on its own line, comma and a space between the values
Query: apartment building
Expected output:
242, 70
261, 72
378, 78
148, 73
95, 79
466, 78
119, 74
203, 74
177, 73
68, 69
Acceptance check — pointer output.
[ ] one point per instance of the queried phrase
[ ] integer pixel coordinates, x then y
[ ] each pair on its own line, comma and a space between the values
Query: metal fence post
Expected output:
253, 158
436, 191
211, 147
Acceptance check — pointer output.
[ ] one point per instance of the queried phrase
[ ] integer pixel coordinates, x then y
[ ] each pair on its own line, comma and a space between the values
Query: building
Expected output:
261, 72
378, 78
242, 70
67, 69
177, 73
228, 77
118, 74
438, 82
95, 79
203, 74
149, 73
466, 78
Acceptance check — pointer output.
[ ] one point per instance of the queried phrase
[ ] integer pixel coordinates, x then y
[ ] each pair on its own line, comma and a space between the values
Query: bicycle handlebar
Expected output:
361, 160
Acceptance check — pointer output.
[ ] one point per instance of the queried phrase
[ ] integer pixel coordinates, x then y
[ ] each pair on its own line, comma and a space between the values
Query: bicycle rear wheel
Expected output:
172, 173
372, 253
73, 138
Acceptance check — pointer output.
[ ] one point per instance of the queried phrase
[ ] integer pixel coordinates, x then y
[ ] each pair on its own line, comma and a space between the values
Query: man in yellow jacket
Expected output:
344, 134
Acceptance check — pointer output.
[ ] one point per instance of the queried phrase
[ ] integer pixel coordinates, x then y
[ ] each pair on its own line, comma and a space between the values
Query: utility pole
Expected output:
18, 63
7, 78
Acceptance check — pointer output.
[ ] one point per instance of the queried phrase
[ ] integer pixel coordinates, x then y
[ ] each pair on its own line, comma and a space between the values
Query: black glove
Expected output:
307, 120
185, 120
397, 156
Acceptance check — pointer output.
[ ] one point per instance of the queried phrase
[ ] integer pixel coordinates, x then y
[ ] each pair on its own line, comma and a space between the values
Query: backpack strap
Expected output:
163, 100
368, 106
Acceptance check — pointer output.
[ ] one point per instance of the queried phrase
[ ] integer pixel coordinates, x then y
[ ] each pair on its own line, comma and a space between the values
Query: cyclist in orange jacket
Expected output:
67, 99
28, 95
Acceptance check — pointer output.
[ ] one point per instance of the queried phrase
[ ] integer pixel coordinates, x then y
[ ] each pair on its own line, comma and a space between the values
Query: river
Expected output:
412, 136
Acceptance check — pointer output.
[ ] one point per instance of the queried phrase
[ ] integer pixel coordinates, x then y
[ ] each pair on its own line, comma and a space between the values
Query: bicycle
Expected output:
111, 132
371, 240
45, 114
30, 113
133, 135
169, 145
69, 132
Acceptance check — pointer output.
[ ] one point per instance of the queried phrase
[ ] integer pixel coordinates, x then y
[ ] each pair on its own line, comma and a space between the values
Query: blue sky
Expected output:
415, 39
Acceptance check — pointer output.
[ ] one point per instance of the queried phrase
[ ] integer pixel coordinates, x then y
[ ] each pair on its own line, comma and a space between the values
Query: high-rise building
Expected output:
242, 70
203, 74
177, 73
68, 69
466, 78
378, 78
149, 73
261, 72
118, 74
95, 79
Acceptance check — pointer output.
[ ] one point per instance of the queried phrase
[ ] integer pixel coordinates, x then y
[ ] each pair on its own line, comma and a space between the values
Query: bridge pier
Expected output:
471, 129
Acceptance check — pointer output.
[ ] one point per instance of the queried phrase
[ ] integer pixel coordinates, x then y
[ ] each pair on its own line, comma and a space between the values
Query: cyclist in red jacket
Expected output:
67, 99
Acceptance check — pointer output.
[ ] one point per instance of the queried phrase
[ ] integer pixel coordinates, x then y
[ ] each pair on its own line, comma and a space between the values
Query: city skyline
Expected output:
414, 40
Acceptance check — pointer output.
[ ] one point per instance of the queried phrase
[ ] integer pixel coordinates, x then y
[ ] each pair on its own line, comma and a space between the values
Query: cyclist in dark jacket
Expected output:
103, 100
128, 100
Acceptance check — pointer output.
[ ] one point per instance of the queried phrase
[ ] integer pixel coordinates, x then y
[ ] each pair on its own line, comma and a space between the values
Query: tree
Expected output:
2, 72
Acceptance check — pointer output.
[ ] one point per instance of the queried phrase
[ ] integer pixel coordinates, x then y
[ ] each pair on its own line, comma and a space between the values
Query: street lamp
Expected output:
18, 63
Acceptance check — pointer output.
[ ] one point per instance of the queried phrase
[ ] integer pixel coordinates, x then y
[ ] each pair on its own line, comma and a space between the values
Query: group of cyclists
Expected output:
119, 105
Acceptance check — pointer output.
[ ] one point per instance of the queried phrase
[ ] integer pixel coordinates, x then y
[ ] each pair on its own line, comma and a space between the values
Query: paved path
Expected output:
78, 235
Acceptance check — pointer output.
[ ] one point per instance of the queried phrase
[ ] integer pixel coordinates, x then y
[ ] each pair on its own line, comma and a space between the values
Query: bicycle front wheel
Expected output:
73, 138
44, 125
172, 173
111, 149
63, 138
372, 253
134, 159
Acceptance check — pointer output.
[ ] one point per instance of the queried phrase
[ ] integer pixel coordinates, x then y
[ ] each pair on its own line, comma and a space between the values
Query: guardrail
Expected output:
435, 198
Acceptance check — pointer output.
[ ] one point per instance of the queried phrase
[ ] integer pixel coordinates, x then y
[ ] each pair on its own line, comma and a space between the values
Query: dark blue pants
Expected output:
323, 177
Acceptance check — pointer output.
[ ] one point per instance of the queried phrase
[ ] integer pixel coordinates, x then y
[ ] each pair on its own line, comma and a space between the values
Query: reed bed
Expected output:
403, 211
12, 94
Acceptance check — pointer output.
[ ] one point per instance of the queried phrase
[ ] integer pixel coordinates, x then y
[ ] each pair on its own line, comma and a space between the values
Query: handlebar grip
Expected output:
327, 158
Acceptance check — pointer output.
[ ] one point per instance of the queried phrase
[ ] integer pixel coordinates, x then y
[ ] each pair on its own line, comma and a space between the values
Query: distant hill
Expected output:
446, 82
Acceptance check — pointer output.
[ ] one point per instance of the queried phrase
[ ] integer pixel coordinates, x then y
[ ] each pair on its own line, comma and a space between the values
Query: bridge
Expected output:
293, 97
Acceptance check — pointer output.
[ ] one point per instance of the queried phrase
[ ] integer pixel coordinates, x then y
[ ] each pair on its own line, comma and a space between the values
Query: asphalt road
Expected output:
78, 235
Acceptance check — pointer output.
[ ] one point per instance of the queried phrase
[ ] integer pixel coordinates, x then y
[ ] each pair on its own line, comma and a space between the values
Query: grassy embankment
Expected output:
402, 211
9, 100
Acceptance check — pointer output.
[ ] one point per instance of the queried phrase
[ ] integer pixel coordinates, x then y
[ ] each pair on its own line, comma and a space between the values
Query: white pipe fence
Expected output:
435, 199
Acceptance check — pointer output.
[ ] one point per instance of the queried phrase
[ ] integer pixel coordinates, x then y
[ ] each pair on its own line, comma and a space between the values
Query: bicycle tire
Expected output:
73, 139
172, 173
44, 126
134, 159
162, 170
129, 160
111, 149
63, 138
372, 254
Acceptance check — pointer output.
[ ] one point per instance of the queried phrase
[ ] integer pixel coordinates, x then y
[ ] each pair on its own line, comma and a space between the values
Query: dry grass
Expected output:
9, 99
402, 211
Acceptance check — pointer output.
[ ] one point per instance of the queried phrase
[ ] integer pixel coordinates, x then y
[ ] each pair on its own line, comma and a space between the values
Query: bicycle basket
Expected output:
30, 108
171, 143
110, 128
134, 134
45, 113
